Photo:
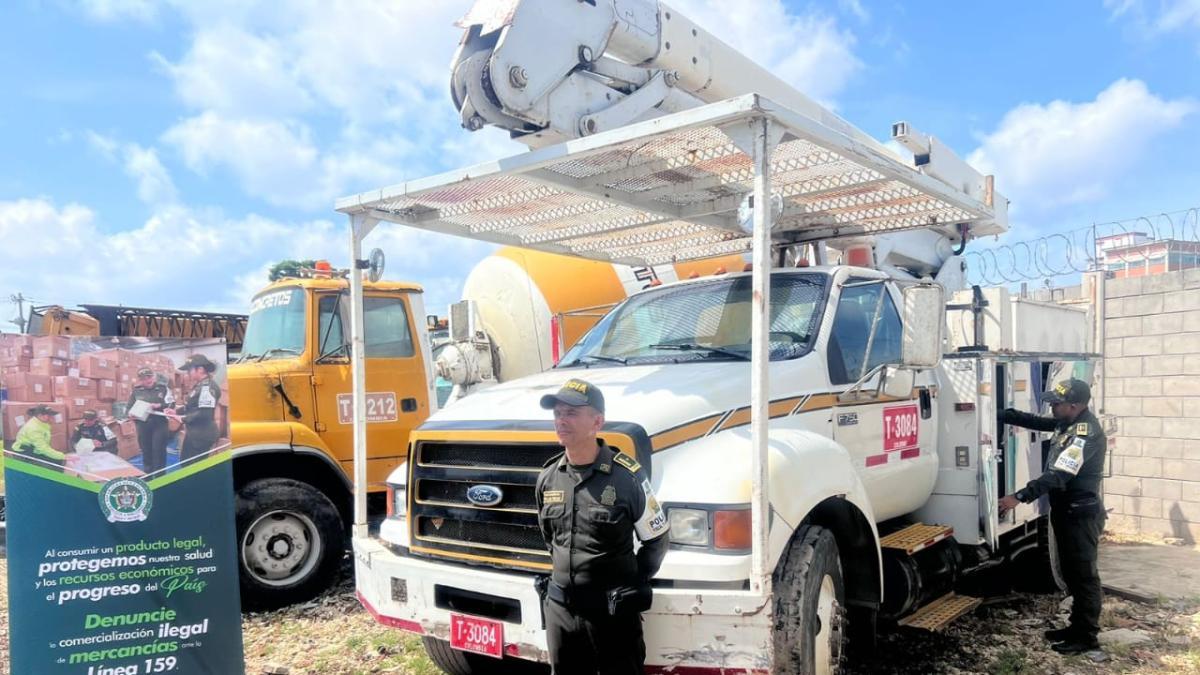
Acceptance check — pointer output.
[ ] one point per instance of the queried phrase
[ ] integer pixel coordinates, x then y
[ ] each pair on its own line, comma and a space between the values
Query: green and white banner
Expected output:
113, 570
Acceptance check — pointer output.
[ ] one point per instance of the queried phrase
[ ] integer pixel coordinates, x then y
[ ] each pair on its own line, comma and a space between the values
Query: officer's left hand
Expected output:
1008, 503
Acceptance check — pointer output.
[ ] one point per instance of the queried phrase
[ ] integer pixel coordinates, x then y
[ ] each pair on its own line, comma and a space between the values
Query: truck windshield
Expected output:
704, 321
276, 325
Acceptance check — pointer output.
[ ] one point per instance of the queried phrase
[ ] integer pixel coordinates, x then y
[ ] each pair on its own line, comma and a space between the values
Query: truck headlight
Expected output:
397, 501
689, 526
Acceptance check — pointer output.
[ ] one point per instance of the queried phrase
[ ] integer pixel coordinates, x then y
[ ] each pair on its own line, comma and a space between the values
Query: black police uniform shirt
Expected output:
202, 404
157, 393
104, 438
1075, 463
588, 516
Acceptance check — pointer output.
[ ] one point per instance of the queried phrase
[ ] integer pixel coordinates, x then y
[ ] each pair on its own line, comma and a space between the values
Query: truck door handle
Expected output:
926, 403
408, 405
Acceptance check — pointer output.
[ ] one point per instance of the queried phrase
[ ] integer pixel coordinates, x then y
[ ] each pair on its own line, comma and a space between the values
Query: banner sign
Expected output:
114, 569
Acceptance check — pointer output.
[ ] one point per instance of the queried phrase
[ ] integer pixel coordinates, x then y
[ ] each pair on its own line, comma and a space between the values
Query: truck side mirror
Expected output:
924, 323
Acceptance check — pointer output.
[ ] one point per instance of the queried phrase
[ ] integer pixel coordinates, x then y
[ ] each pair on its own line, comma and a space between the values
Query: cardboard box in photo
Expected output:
97, 367
53, 367
29, 387
52, 347
74, 387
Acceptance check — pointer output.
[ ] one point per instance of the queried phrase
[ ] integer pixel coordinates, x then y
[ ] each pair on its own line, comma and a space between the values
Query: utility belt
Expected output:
596, 600
1077, 504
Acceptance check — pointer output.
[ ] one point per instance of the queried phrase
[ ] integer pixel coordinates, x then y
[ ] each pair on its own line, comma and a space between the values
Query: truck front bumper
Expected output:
686, 630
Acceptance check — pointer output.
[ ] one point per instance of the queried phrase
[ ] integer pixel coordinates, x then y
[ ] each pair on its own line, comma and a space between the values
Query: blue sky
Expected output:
166, 153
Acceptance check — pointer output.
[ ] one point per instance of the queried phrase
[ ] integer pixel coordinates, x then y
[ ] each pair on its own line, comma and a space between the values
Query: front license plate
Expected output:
473, 634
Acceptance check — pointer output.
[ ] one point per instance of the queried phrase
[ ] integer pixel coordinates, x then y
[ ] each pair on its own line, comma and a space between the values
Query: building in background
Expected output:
1134, 254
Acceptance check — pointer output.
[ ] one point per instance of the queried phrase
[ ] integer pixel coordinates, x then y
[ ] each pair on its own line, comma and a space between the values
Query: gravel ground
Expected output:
333, 634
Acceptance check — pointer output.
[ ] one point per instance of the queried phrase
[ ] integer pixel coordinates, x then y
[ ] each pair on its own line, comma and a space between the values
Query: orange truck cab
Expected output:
291, 423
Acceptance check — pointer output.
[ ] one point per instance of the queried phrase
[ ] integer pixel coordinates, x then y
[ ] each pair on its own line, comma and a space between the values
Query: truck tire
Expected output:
1040, 570
290, 542
810, 619
455, 662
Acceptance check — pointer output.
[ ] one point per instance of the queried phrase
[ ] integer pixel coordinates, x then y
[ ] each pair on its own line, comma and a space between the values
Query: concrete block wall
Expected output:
1151, 384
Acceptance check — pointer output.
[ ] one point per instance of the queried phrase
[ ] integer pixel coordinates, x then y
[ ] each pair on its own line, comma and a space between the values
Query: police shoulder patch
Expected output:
627, 462
1081, 429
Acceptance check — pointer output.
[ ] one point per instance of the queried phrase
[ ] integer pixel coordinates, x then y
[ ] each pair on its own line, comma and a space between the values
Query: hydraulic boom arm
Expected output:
553, 70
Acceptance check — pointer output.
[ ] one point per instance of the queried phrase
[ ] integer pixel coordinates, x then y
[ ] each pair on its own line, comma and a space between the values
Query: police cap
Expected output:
198, 361
576, 393
40, 410
1069, 391
90, 414
145, 372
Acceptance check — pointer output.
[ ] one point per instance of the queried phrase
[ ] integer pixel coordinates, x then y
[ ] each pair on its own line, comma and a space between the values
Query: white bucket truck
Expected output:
823, 437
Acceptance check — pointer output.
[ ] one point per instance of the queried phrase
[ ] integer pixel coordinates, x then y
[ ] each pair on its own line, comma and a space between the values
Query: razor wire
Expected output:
1076, 251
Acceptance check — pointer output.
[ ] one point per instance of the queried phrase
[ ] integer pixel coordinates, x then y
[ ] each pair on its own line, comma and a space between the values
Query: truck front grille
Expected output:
445, 522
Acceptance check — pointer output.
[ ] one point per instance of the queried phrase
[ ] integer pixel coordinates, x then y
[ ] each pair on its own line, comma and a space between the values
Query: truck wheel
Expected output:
1040, 570
810, 619
290, 542
455, 662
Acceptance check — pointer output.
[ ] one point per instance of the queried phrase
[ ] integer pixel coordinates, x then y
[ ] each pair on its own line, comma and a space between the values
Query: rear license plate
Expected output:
473, 634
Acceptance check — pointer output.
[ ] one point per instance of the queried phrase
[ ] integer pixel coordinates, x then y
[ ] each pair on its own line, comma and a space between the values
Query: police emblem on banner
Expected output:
125, 500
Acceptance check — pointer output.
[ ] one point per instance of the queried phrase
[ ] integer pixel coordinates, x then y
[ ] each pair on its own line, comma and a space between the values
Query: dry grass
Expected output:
333, 634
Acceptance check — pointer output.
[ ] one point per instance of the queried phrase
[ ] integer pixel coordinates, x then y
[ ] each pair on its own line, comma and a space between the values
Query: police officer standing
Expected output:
1074, 469
199, 416
152, 432
92, 429
591, 501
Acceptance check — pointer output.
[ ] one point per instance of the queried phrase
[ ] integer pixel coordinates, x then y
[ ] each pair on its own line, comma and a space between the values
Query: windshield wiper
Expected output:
693, 347
597, 357
335, 352
273, 350
246, 357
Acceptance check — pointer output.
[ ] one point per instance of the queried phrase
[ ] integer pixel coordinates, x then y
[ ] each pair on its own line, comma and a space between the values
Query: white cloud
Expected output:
114, 10
1178, 15
1151, 20
807, 50
154, 184
275, 160
854, 7
280, 162
1063, 152
199, 259
323, 100
328, 99
230, 70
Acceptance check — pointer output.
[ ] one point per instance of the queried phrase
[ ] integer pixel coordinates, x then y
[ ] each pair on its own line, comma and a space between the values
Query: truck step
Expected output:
939, 613
916, 537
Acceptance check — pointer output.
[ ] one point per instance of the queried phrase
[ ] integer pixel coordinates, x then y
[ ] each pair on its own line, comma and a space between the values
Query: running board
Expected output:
916, 537
941, 612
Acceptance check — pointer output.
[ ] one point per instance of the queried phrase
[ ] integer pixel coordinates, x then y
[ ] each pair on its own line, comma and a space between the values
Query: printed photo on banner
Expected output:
103, 408
118, 494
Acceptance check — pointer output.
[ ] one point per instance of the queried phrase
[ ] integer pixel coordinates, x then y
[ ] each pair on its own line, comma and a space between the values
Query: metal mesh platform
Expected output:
916, 537
669, 190
939, 613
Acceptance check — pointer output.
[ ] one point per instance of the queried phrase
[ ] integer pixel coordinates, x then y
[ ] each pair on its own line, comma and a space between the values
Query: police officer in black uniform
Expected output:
94, 430
591, 501
153, 432
199, 414
1074, 469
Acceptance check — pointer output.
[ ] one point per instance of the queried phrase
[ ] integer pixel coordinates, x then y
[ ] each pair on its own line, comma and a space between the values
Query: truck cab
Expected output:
863, 452
292, 423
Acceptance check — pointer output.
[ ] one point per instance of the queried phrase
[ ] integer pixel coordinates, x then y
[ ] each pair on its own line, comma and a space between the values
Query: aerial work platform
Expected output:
669, 189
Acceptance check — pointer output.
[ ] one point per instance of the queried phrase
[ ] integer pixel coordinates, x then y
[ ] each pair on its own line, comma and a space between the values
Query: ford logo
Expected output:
484, 495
